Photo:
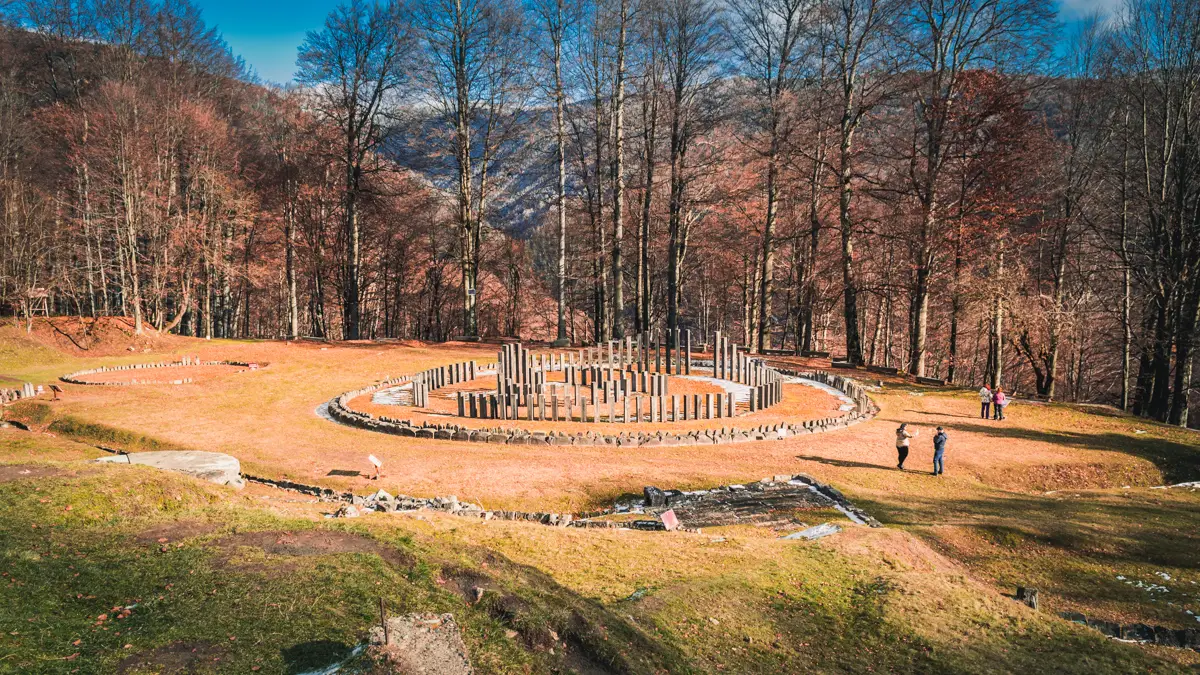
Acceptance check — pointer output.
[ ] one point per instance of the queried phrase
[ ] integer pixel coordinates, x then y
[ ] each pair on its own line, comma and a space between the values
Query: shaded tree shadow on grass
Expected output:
307, 656
1076, 545
1110, 530
1178, 462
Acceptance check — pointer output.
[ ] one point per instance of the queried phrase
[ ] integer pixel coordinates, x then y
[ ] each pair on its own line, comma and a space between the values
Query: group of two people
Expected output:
904, 436
996, 401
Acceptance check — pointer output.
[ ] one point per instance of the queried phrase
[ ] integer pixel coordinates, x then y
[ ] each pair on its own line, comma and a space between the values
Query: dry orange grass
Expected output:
267, 419
1036, 499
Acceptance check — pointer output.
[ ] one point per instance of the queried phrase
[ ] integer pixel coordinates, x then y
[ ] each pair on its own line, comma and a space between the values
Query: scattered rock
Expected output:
215, 467
424, 644
654, 496
1028, 596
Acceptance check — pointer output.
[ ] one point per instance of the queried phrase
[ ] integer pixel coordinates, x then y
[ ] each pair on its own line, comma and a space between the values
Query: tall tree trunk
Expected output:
560, 137
766, 274
649, 136
996, 339
955, 304
849, 282
618, 178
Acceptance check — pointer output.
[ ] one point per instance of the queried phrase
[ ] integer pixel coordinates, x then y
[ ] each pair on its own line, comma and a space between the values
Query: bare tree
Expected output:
767, 36
555, 19
355, 66
470, 52
693, 43
947, 39
859, 36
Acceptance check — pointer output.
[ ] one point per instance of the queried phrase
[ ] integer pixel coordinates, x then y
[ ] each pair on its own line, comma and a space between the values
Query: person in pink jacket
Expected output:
999, 401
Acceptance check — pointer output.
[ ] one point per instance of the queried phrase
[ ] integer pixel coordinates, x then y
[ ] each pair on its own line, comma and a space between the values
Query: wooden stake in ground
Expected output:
383, 620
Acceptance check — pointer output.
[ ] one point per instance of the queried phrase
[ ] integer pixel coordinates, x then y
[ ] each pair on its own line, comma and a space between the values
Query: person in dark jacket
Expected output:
939, 451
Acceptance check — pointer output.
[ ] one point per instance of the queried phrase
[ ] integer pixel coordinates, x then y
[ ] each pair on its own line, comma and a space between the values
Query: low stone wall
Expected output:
387, 503
73, 378
384, 502
864, 409
1186, 638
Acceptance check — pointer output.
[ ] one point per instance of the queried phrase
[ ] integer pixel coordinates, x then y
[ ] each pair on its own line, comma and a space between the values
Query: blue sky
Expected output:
266, 33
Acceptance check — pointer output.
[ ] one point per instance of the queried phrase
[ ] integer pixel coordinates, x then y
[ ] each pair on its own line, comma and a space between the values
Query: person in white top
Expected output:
985, 401
902, 437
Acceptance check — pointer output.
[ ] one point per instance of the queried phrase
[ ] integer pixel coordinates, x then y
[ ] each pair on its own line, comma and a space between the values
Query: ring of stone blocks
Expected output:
73, 378
517, 367
864, 409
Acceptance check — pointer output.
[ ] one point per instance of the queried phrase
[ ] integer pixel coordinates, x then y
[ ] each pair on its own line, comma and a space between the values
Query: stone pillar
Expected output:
462, 405
687, 363
708, 406
732, 406
625, 410
583, 410
554, 407
717, 354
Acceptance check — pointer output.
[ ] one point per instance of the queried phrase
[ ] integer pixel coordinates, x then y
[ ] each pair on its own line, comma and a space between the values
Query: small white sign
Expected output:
471, 292
374, 460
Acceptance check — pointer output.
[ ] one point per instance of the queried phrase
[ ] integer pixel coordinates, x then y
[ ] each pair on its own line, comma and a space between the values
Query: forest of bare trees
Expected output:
949, 187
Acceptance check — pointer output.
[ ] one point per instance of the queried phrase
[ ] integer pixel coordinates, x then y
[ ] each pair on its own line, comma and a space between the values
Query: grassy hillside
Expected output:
126, 569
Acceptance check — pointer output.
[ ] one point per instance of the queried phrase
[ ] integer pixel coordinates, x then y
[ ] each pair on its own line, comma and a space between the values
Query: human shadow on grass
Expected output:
844, 463
928, 413
1178, 462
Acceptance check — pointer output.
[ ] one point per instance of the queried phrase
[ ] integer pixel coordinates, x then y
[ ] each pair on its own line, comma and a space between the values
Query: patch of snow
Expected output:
322, 411
815, 532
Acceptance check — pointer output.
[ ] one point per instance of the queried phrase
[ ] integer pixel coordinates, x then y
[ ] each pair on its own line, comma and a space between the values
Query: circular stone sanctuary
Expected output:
636, 391
185, 371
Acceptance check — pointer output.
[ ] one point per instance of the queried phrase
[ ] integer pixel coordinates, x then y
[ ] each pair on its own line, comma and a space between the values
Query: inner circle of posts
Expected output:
622, 381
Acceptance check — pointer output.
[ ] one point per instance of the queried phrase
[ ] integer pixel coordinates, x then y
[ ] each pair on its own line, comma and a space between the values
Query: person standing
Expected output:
939, 451
985, 402
998, 403
903, 435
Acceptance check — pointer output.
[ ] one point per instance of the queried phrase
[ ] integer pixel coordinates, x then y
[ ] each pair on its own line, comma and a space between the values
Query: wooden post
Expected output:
383, 620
